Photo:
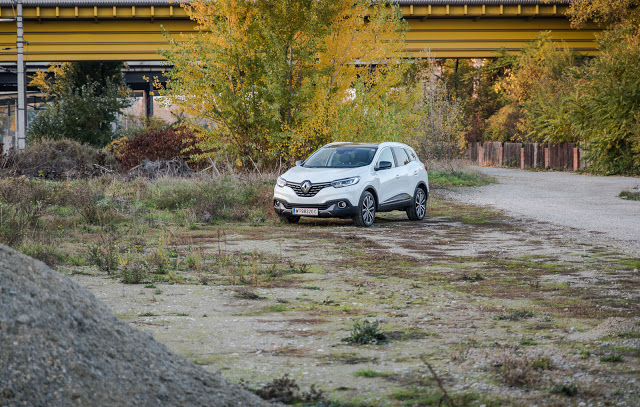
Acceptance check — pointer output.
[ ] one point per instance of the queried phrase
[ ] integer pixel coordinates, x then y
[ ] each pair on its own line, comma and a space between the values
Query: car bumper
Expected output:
341, 208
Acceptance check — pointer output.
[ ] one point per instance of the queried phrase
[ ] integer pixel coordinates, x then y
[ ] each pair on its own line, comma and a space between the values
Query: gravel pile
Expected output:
614, 326
59, 346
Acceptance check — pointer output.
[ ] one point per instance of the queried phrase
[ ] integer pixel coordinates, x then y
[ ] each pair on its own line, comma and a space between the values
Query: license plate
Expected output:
305, 211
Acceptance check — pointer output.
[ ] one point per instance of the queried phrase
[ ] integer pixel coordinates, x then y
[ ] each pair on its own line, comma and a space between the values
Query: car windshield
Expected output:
350, 156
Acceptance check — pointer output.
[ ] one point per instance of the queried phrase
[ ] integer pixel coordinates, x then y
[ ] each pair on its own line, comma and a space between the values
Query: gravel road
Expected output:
584, 202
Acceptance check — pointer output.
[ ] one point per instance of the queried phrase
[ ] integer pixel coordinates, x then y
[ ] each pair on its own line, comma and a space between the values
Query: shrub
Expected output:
286, 390
60, 160
155, 143
516, 371
506, 125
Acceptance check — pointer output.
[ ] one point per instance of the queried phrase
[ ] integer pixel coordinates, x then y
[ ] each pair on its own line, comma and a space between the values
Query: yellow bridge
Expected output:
130, 30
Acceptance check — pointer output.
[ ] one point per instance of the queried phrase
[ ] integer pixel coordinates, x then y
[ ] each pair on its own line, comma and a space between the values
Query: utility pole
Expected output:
21, 113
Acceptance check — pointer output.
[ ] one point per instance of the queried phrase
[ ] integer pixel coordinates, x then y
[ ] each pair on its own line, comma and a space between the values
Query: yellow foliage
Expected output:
276, 79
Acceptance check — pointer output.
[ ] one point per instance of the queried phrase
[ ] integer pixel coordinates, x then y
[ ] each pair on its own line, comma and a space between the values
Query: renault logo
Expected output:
306, 186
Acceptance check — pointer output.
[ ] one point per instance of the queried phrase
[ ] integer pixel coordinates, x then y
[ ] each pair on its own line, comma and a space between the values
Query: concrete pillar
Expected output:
501, 156
576, 159
480, 154
522, 158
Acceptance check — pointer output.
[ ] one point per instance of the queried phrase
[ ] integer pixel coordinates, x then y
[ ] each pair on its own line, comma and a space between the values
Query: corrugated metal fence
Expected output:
561, 156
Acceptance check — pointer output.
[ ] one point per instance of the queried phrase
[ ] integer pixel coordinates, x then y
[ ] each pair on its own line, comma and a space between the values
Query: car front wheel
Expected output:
418, 208
366, 210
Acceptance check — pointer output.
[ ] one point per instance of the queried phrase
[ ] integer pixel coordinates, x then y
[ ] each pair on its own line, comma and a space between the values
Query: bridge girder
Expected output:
116, 30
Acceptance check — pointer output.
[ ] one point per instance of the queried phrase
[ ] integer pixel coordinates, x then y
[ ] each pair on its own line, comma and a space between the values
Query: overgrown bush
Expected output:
59, 160
154, 143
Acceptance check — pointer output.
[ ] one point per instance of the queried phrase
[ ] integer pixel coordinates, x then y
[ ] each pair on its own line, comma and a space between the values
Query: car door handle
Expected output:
415, 173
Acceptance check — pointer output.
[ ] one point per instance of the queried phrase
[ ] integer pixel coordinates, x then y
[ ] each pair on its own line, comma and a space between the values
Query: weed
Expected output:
148, 314
365, 332
311, 287
157, 292
194, 260
473, 277
134, 270
286, 390
370, 373
516, 371
182, 314
528, 342
247, 294
158, 259
149, 286
105, 254
615, 358
630, 195
276, 308
515, 316
568, 390
542, 363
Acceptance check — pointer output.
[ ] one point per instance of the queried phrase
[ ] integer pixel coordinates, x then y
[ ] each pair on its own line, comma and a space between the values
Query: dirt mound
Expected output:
59, 346
614, 326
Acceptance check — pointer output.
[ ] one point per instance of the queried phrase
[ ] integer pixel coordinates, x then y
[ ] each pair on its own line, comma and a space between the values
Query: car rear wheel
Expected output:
366, 210
418, 208
289, 219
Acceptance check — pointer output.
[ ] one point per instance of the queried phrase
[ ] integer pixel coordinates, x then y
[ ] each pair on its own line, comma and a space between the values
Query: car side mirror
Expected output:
299, 163
384, 165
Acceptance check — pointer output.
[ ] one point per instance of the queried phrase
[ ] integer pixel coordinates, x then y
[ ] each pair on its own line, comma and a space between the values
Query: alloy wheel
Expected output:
368, 209
421, 203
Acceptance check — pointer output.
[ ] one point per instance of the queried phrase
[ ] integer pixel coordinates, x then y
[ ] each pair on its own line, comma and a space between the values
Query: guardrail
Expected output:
560, 156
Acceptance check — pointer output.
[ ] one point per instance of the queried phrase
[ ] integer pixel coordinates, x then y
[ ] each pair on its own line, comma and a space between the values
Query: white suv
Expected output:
354, 180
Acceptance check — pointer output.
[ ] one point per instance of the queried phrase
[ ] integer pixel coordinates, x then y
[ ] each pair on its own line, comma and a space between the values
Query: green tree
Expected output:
83, 101
276, 78
608, 109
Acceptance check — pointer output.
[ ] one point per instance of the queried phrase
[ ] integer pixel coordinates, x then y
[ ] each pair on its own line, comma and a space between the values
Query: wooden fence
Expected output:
561, 156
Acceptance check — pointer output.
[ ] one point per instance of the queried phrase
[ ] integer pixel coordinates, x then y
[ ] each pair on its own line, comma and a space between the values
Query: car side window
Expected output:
411, 154
386, 155
401, 155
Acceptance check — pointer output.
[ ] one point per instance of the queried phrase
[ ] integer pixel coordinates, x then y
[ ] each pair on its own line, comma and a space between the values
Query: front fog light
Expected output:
281, 182
342, 204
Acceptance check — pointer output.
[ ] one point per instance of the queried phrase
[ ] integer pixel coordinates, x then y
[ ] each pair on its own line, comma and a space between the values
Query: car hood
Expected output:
299, 174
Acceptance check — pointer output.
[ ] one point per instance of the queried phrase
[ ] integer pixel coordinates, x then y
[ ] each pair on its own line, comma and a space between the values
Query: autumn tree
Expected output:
83, 98
278, 78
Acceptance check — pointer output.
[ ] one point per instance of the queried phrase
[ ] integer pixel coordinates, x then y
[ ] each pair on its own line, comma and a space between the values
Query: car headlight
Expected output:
339, 183
281, 182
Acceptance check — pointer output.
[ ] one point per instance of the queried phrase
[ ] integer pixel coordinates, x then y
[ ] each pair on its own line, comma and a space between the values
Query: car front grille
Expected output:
322, 207
315, 188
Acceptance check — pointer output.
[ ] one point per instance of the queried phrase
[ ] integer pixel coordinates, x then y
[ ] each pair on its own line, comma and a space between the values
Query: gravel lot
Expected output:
584, 202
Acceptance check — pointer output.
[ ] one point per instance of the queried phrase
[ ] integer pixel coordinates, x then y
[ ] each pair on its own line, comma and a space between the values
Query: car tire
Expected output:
366, 210
418, 208
289, 219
